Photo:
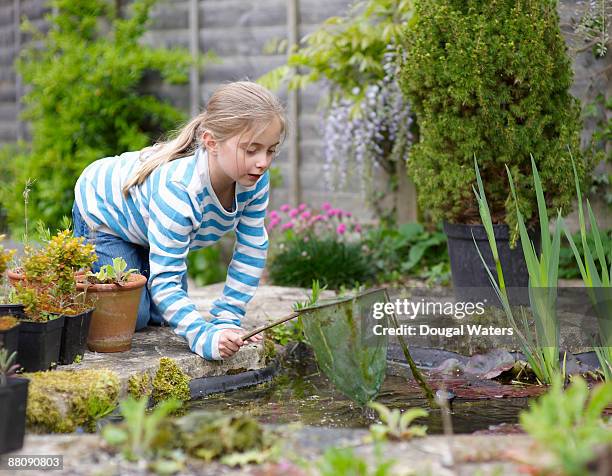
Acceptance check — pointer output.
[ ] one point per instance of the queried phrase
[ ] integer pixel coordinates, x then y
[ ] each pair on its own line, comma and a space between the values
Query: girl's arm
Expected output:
248, 259
174, 215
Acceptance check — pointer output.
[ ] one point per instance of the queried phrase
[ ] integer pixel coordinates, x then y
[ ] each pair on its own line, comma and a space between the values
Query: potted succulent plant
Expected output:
476, 95
116, 292
13, 401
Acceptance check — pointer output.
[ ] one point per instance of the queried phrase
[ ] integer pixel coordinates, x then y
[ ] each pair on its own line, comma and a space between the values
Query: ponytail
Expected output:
182, 145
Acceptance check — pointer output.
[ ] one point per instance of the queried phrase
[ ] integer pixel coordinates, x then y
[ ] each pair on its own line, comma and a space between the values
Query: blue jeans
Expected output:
110, 246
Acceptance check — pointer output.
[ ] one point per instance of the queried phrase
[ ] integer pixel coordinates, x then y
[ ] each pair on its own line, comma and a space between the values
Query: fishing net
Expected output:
346, 349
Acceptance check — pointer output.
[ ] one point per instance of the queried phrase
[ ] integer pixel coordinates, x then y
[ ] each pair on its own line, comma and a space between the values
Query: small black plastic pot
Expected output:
39, 344
74, 337
13, 401
470, 278
9, 339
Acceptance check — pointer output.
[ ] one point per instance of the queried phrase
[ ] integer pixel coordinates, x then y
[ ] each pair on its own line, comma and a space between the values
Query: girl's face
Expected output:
244, 159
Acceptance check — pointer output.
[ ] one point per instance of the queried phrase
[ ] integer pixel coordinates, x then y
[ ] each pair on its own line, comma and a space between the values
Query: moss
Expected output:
62, 400
139, 385
170, 382
269, 350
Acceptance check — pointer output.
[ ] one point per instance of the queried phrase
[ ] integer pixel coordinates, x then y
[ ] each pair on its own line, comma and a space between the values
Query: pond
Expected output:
303, 394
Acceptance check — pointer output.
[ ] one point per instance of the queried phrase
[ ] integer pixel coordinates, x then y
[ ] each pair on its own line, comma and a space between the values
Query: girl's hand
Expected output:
229, 342
255, 339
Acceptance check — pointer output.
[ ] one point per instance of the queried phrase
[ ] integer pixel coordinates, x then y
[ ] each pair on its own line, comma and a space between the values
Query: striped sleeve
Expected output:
247, 262
174, 214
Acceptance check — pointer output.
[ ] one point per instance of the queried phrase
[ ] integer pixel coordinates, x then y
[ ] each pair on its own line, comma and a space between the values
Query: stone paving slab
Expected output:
472, 454
149, 345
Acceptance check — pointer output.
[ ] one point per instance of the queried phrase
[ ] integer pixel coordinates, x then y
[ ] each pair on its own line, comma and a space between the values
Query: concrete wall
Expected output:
237, 31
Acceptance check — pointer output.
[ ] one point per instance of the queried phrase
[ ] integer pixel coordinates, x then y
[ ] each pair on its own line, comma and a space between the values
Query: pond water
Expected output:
303, 394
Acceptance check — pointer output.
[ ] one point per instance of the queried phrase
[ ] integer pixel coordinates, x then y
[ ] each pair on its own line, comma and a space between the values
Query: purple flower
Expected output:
358, 228
273, 214
317, 218
302, 207
341, 229
326, 206
286, 226
348, 214
294, 212
285, 207
274, 222
305, 215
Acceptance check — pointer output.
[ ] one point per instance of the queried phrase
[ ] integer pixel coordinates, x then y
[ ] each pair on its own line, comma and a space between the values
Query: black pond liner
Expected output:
74, 337
201, 387
39, 344
13, 400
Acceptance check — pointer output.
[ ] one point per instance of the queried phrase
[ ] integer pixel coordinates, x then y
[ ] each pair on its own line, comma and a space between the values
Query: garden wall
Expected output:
238, 30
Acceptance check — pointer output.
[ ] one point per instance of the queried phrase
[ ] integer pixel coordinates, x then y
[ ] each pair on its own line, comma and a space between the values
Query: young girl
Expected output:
153, 206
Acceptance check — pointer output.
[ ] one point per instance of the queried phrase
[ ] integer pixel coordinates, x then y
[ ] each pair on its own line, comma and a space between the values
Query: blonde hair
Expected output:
233, 109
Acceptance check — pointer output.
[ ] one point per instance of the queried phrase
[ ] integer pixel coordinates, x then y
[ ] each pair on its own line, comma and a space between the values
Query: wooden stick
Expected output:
269, 326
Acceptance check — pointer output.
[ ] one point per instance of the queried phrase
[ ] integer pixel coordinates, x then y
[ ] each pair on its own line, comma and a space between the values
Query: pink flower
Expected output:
286, 226
341, 229
317, 218
358, 228
305, 215
331, 212
348, 214
302, 207
273, 214
285, 207
294, 212
326, 206
338, 212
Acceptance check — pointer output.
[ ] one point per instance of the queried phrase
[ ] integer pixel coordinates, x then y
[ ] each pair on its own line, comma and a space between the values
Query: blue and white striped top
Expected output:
176, 210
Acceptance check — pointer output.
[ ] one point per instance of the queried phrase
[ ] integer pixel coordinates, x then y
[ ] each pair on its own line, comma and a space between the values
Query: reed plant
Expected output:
539, 342
596, 278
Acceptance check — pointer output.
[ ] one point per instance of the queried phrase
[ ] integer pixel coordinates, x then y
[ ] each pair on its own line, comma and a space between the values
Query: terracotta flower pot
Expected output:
114, 320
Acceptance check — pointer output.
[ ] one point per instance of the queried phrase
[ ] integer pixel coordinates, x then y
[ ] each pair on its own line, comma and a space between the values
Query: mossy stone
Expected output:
170, 382
60, 401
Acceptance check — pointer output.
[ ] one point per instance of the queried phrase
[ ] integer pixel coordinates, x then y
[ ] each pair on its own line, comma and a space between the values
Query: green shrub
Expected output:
405, 250
334, 263
86, 99
490, 79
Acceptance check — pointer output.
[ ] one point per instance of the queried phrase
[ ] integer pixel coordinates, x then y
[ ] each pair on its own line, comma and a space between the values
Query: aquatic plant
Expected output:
395, 424
570, 423
597, 279
233, 439
142, 435
336, 461
540, 346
